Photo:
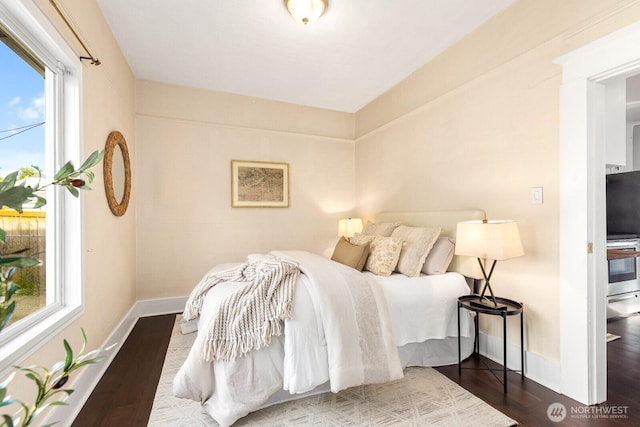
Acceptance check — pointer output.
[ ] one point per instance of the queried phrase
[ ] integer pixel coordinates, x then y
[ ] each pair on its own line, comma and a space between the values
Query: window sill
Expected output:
22, 346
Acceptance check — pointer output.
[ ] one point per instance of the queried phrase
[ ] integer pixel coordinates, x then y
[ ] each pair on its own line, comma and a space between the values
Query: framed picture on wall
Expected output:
259, 184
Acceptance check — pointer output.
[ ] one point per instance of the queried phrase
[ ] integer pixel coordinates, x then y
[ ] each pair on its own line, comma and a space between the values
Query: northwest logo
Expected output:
556, 412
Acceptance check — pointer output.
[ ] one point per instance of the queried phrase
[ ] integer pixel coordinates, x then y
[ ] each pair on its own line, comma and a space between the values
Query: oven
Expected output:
623, 272
623, 289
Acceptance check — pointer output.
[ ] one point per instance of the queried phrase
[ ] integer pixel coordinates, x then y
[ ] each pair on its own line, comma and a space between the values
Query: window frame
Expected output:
64, 254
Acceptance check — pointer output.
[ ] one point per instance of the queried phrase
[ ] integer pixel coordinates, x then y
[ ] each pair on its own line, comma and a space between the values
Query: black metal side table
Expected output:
509, 308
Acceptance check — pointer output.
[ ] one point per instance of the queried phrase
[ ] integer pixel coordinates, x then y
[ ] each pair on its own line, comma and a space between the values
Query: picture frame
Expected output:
256, 184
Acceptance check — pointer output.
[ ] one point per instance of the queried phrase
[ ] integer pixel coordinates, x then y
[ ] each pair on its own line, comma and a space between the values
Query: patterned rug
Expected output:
424, 397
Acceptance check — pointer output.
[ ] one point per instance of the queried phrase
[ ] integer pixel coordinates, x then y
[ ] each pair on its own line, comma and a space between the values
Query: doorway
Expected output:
582, 208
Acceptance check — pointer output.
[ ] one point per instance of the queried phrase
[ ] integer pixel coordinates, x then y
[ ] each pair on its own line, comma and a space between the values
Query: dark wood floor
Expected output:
527, 401
125, 394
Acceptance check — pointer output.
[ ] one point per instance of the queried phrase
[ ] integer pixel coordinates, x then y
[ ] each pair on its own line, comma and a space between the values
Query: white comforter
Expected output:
331, 337
424, 308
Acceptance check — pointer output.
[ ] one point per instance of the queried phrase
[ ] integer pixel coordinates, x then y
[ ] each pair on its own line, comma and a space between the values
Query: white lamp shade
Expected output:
306, 11
495, 239
350, 226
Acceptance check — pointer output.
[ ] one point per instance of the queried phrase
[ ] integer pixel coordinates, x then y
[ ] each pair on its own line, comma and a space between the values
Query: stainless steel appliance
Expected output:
623, 289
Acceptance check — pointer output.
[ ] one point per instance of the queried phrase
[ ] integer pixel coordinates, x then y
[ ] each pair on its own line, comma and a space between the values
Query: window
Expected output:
30, 42
22, 148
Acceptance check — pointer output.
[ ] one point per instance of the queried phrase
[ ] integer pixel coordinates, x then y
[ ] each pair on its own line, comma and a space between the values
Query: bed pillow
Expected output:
383, 229
349, 254
418, 243
384, 253
440, 256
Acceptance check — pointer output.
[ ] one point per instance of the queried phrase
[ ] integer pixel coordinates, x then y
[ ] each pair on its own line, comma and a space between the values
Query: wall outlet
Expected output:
536, 195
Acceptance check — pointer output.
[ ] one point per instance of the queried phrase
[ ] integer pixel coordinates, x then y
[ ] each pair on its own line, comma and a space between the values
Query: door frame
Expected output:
585, 71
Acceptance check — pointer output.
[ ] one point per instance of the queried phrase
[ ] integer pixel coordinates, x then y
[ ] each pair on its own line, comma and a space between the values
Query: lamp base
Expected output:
485, 302
482, 302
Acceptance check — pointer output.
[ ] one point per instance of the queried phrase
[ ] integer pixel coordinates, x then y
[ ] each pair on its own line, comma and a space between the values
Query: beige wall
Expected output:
109, 242
477, 128
186, 139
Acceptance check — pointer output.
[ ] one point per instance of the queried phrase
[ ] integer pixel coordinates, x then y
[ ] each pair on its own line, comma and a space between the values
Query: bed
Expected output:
331, 341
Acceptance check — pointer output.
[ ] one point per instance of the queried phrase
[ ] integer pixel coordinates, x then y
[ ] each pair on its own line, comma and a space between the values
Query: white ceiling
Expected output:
358, 50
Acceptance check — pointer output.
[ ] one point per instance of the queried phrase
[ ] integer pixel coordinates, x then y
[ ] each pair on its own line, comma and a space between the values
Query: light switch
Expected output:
536, 195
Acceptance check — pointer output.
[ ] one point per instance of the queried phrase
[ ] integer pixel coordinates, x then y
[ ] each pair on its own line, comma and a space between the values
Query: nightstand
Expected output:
508, 308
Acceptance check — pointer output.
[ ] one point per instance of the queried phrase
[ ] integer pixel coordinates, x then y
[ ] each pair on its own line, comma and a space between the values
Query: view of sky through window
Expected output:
22, 113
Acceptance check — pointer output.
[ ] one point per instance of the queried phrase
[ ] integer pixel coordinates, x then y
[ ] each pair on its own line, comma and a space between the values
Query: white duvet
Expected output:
339, 332
321, 343
424, 307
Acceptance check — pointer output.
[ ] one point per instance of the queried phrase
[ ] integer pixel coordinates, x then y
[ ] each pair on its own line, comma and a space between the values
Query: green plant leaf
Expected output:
9, 312
9, 181
95, 355
93, 159
84, 342
68, 392
20, 262
7, 420
57, 366
19, 251
12, 288
6, 382
3, 236
64, 171
15, 197
91, 354
69, 359
31, 368
85, 363
7, 401
4, 403
35, 377
3, 395
39, 202
45, 406
74, 192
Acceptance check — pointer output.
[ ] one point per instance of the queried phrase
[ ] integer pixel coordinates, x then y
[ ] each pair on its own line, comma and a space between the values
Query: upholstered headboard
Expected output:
448, 221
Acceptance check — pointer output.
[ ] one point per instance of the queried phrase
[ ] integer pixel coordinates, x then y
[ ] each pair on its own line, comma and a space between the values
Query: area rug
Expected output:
424, 397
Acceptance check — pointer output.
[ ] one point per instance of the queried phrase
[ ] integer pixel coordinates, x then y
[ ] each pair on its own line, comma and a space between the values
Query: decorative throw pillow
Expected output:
418, 243
384, 253
440, 256
349, 254
383, 229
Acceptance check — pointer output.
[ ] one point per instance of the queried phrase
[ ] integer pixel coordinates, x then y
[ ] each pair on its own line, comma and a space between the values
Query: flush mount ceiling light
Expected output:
306, 11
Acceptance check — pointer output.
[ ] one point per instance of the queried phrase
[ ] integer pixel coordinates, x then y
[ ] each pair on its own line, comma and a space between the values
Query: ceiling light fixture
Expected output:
306, 11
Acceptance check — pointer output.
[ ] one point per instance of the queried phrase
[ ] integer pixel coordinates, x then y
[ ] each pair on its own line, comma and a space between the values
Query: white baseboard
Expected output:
537, 368
155, 307
87, 379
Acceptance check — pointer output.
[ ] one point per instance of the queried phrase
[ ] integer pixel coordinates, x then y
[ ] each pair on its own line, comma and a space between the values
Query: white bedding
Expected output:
352, 324
422, 312
424, 307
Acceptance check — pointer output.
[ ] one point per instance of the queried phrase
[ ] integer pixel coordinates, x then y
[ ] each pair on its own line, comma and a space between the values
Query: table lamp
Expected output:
349, 226
489, 240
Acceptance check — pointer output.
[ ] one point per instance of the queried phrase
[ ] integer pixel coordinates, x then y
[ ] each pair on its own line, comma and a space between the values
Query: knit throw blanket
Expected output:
248, 318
